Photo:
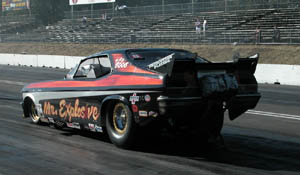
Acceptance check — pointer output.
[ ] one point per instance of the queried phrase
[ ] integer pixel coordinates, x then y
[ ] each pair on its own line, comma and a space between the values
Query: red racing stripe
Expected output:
112, 80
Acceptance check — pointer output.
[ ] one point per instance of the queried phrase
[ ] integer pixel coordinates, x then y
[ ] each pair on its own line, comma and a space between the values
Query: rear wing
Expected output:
242, 65
247, 64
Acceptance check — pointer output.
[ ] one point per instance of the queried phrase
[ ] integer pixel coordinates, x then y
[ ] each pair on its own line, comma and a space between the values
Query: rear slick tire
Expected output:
120, 126
215, 139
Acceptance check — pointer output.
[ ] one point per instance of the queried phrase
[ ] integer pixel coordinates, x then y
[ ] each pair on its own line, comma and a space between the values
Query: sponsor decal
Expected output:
68, 111
136, 56
70, 125
161, 62
147, 98
134, 98
124, 66
98, 128
12, 5
51, 120
143, 113
134, 108
153, 114
73, 125
121, 63
92, 127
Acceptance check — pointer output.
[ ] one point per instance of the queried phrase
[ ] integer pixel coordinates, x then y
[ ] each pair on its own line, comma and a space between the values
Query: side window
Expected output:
86, 67
94, 68
105, 65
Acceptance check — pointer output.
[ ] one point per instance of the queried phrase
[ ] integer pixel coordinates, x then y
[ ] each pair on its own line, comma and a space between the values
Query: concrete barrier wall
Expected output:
13, 59
71, 62
55, 61
265, 73
278, 73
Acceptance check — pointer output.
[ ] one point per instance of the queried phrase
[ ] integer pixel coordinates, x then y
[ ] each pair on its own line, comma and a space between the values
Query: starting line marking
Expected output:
272, 114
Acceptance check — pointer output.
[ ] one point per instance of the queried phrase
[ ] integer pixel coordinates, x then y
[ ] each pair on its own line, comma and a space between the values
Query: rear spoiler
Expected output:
247, 64
243, 65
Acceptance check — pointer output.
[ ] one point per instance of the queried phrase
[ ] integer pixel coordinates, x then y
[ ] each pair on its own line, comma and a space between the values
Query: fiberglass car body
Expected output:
124, 90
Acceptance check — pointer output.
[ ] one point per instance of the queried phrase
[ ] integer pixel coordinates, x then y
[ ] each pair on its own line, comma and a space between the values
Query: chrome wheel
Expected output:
120, 118
33, 113
120, 125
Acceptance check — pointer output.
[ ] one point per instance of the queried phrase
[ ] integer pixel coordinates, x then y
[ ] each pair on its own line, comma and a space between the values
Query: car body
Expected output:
122, 91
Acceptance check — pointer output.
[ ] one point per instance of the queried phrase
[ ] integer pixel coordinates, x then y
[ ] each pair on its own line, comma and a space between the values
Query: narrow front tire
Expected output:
33, 113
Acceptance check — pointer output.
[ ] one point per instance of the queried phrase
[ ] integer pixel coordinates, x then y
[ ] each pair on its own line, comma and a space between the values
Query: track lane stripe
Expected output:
13, 82
272, 114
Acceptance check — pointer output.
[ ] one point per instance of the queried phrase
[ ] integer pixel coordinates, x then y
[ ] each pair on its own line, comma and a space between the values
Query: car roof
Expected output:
132, 49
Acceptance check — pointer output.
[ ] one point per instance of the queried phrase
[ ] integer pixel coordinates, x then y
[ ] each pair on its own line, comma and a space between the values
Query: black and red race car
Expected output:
122, 91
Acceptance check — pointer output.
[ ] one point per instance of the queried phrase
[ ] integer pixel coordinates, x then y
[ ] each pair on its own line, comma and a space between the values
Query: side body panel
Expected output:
79, 102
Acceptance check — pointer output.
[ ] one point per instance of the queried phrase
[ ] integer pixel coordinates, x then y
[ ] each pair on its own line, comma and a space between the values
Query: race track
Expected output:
265, 140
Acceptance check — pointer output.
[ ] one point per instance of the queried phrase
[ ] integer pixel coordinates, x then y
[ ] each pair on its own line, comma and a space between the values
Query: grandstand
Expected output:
223, 27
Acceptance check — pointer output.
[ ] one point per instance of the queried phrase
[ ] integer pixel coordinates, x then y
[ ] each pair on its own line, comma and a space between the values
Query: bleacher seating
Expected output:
286, 20
223, 27
117, 30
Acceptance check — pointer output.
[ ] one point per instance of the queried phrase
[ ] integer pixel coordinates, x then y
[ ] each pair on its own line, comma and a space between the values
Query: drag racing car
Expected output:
122, 91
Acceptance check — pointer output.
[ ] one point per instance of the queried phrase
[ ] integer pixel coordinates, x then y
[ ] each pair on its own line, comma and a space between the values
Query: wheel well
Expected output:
27, 102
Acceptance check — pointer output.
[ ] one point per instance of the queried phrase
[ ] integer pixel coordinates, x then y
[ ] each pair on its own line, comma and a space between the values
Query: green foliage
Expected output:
49, 11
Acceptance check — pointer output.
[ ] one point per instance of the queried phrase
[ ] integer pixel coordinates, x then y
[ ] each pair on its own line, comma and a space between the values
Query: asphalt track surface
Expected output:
265, 140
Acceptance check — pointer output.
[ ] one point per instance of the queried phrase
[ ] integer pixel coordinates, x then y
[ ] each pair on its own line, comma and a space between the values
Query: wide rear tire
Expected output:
215, 139
120, 126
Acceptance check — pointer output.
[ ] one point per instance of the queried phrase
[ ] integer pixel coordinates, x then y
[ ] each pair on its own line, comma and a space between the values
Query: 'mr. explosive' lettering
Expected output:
68, 111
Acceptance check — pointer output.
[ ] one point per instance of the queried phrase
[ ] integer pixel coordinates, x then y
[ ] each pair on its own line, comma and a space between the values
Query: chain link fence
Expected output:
199, 7
249, 37
288, 36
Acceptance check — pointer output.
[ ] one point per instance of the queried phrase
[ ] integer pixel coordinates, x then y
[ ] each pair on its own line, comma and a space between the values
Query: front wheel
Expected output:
120, 126
33, 114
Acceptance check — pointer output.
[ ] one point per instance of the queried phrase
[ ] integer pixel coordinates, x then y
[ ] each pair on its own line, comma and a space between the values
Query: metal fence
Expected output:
210, 37
199, 7
17, 18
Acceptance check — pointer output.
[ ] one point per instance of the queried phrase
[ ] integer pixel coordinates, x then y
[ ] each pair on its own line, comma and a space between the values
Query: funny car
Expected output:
119, 92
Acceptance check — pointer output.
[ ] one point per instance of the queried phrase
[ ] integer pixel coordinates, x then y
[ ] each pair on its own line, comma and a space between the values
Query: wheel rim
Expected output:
34, 114
120, 119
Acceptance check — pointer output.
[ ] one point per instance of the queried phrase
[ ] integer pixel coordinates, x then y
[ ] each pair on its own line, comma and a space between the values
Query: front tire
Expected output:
33, 114
120, 126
